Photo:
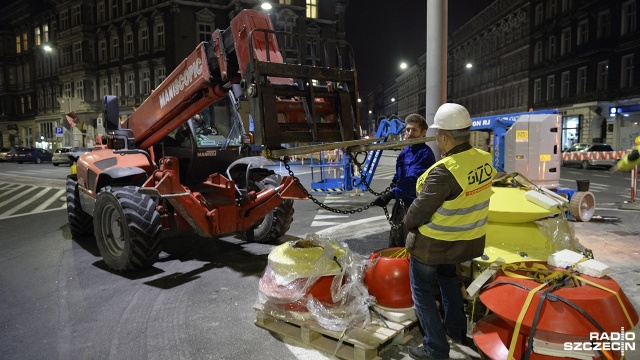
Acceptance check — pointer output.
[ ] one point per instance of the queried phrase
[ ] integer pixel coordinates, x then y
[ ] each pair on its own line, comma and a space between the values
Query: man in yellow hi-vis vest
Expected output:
447, 226
630, 160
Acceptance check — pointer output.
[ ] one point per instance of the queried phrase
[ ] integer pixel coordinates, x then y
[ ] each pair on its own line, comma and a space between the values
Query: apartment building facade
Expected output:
576, 56
59, 56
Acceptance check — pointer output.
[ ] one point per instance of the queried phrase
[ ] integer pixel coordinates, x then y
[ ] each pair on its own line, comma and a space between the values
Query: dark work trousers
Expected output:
397, 237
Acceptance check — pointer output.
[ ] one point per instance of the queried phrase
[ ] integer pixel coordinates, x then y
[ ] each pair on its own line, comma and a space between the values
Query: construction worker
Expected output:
412, 162
447, 226
629, 160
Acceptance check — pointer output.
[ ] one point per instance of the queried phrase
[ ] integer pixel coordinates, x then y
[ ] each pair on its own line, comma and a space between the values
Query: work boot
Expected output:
419, 353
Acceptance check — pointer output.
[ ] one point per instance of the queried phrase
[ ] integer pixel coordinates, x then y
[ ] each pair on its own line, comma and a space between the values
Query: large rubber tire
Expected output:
276, 223
582, 205
127, 228
80, 223
586, 165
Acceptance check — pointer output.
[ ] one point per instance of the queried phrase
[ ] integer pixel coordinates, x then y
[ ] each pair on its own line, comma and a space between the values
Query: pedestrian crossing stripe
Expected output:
21, 199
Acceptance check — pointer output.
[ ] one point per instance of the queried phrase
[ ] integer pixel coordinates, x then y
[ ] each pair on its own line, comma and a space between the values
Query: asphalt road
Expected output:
59, 301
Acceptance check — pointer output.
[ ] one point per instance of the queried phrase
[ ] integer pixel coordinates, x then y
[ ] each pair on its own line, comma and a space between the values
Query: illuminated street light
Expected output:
393, 99
359, 100
266, 6
47, 48
469, 65
403, 65
370, 112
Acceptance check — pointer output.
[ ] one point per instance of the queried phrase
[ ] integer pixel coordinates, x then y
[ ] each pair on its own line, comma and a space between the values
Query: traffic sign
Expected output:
59, 131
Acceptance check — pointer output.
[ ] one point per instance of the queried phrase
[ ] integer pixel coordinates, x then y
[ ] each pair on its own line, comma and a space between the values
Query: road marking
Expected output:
16, 196
25, 203
382, 225
51, 200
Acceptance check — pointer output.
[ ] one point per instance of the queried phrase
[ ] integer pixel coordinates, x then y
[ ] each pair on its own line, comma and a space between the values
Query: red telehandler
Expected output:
163, 170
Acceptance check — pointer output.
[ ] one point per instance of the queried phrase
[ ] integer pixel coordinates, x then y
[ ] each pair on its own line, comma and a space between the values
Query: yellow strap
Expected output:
626, 313
523, 311
540, 272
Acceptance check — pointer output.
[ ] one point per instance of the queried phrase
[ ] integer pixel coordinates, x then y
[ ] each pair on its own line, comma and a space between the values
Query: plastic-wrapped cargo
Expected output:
318, 278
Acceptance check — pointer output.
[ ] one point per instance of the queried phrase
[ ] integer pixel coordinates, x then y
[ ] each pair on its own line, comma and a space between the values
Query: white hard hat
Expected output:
451, 116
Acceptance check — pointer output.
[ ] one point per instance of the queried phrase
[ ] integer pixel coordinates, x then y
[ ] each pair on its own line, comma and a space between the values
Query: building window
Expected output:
115, 45
539, 14
102, 50
312, 9
76, 17
67, 90
40, 99
105, 86
564, 85
159, 36
537, 90
161, 75
116, 85
48, 99
45, 33
520, 95
131, 85
77, 53
552, 8
145, 87
64, 20
626, 75
92, 51
566, 5
101, 12
552, 48
581, 84
144, 39
129, 44
79, 90
551, 87
583, 32
604, 25
603, 75
284, 2
537, 54
38, 36
114, 9
628, 18
565, 41
25, 41
66, 56
204, 32
18, 45
128, 6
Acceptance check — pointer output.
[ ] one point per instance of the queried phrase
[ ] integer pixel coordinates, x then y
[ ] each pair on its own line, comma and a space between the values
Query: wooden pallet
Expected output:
357, 345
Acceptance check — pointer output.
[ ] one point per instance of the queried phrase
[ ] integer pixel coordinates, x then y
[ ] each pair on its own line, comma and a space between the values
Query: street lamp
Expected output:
469, 65
266, 5
403, 65
47, 48
393, 99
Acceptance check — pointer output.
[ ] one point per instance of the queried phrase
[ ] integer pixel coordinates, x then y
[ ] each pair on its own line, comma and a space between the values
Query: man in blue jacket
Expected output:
412, 162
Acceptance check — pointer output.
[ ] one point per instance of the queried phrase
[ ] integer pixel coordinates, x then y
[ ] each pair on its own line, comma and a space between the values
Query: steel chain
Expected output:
296, 180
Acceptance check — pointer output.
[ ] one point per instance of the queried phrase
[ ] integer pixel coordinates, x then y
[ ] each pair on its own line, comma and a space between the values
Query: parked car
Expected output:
6, 153
588, 147
34, 155
60, 156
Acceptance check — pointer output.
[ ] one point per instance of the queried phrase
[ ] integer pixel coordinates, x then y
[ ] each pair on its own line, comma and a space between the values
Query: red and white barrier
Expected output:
593, 155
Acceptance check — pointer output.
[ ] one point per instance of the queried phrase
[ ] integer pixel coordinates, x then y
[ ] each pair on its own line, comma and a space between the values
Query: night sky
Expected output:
385, 33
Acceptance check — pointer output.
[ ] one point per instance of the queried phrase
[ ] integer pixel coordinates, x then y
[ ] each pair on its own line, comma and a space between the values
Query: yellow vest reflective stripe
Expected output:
625, 164
465, 217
